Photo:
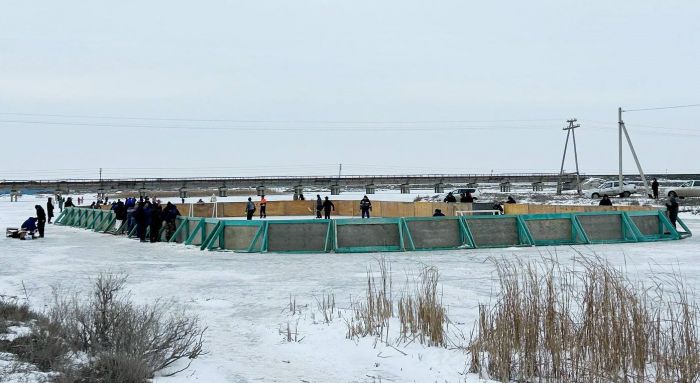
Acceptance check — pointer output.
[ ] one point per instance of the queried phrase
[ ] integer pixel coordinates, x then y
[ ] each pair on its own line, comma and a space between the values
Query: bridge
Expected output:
333, 183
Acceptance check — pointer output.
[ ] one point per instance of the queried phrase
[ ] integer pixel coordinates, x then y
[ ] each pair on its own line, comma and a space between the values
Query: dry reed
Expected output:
585, 323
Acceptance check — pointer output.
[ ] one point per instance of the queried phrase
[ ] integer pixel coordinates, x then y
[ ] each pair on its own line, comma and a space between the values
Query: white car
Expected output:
612, 188
688, 189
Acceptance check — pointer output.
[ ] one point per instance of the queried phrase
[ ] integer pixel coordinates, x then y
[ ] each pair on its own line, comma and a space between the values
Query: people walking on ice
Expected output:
49, 209
263, 207
249, 209
327, 207
319, 205
40, 220
365, 206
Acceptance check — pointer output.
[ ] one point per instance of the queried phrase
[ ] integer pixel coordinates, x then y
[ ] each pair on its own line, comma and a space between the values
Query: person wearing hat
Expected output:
438, 213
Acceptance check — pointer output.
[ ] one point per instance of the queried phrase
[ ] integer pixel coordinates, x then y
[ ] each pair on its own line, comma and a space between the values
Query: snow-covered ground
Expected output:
242, 297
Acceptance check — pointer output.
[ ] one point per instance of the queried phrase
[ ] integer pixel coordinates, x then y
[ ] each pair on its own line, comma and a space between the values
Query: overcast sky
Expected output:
173, 88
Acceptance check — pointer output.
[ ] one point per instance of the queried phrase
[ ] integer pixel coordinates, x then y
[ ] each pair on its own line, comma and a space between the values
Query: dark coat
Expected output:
49, 208
328, 205
672, 207
156, 215
605, 202
69, 203
40, 213
170, 213
450, 198
29, 224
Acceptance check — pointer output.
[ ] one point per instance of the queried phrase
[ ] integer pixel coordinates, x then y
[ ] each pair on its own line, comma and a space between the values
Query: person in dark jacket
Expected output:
319, 205
672, 208
170, 214
40, 219
327, 207
365, 206
156, 222
450, 198
438, 213
249, 209
141, 221
120, 214
510, 199
69, 202
655, 188
49, 209
605, 201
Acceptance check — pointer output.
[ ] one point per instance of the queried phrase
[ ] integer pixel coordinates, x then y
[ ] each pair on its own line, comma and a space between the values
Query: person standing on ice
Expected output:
249, 209
327, 207
655, 188
263, 207
59, 199
140, 217
365, 206
672, 208
156, 222
49, 209
40, 219
605, 201
319, 205
450, 198
69, 202
170, 214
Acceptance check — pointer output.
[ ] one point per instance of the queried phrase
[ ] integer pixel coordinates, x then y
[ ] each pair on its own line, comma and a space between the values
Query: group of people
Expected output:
146, 216
38, 223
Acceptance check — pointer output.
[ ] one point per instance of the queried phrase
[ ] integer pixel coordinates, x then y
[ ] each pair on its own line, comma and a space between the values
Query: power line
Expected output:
272, 128
662, 107
272, 121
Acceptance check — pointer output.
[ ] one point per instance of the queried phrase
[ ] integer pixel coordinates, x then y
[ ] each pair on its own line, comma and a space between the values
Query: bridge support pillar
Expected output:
101, 193
260, 190
440, 188
298, 192
143, 193
537, 186
14, 195
370, 189
335, 189
223, 191
405, 189
183, 192
472, 185
505, 187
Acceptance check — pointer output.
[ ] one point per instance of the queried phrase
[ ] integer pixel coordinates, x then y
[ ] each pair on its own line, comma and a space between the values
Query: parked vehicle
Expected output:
688, 189
612, 188
475, 192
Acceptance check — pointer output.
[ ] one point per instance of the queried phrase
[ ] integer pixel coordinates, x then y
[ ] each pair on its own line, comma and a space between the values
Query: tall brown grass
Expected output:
588, 322
419, 311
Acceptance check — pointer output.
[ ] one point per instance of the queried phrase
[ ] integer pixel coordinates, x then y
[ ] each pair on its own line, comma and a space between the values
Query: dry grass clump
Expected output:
109, 325
419, 310
370, 317
421, 313
115, 339
585, 323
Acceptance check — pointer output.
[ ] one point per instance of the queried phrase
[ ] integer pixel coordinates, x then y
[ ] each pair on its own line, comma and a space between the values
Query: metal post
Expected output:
636, 160
578, 177
563, 158
619, 123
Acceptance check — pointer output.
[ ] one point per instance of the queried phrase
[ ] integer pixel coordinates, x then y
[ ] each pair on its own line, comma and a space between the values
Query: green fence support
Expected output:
197, 230
467, 233
184, 222
328, 244
211, 237
524, 235
404, 226
252, 246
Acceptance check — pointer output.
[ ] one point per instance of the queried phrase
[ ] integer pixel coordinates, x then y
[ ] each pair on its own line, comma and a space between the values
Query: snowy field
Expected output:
242, 297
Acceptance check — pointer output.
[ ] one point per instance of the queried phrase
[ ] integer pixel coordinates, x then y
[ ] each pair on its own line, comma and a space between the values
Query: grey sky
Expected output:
371, 72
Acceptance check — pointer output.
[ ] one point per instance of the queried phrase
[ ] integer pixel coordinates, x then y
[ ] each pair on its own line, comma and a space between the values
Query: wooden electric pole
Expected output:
622, 129
570, 131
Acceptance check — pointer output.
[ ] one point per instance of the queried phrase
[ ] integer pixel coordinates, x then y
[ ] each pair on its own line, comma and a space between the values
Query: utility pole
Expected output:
100, 175
570, 131
340, 170
623, 129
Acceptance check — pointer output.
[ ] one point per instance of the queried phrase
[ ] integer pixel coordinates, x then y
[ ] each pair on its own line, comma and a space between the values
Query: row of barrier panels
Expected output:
402, 234
343, 208
385, 209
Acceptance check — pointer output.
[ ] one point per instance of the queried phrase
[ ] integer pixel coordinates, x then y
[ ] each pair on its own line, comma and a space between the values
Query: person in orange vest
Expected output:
263, 206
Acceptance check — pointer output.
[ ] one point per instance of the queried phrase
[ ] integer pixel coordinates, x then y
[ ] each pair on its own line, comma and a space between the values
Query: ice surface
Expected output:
242, 297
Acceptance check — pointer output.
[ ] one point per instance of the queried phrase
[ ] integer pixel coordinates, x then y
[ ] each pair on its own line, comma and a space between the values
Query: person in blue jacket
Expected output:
29, 225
